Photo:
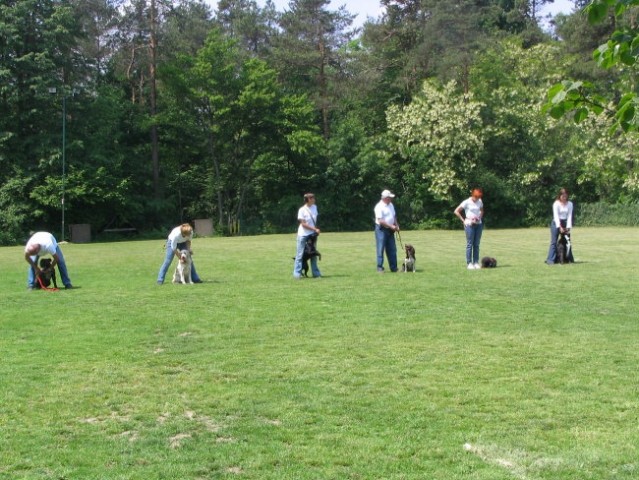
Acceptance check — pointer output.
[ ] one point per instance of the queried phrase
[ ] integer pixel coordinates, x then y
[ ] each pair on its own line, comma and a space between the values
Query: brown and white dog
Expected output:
409, 261
183, 270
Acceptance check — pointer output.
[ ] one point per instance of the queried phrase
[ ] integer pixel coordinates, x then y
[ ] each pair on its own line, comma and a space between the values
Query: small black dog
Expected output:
409, 261
488, 262
310, 251
563, 248
47, 274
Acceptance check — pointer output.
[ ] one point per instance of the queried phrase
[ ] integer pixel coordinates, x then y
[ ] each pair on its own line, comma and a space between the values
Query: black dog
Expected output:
310, 251
488, 262
564, 255
47, 274
409, 261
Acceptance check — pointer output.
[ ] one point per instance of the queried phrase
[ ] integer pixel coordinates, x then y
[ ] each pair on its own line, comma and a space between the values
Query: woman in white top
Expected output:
179, 239
561, 223
473, 209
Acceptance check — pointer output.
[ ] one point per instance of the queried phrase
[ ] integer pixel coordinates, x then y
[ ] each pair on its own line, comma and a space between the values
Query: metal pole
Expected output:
64, 147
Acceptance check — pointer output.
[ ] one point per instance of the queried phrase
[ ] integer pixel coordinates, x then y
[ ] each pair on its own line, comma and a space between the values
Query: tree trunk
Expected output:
155, 155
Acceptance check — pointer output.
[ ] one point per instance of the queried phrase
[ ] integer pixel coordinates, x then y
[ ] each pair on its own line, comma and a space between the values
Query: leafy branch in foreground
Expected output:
621, 51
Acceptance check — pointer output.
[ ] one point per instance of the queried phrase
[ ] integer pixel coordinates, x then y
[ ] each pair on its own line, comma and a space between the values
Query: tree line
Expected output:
148, 113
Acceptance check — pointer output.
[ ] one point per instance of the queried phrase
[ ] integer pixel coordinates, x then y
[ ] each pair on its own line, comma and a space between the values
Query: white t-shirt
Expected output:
307, 215
562, 212
472, 209
45, 240
384, 212
176, 237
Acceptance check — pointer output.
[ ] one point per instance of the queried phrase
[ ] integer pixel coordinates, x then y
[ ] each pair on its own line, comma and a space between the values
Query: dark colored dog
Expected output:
47, 274
310, 251
488, 262
409, 261
563, 248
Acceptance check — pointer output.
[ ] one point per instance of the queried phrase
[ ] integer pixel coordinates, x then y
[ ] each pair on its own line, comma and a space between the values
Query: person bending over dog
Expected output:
40, 244
306, 231
179, 239
385, 227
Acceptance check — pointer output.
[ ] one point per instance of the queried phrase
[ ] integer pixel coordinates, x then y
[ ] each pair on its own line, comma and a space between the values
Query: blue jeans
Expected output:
297, 268
552, 250
385, 241
62, 266
170, 255
473, 237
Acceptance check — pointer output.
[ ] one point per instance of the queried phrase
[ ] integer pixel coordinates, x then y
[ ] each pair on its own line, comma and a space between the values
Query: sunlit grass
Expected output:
525, 371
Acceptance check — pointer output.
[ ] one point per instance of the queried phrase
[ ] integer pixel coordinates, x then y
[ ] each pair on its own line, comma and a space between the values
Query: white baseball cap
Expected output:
387, 194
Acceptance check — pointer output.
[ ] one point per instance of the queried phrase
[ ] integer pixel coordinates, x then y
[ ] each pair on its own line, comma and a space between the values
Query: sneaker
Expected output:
477, 266
380, 270
68, 287
470, 266
197, 281
159, 283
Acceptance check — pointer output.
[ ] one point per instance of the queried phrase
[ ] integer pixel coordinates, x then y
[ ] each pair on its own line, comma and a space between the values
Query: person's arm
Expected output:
55, 261
31, 262
569, 219
458, 214
308, 226
384, 224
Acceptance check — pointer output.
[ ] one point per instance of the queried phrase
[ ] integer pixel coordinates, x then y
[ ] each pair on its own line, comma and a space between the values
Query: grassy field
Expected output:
526, 371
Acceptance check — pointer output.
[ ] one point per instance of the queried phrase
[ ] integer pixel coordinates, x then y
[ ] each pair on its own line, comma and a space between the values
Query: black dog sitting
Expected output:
488, 262
47, 274
564, 253
310, 251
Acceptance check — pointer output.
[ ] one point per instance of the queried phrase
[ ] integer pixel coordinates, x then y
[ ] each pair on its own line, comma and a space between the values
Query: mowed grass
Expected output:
521, 372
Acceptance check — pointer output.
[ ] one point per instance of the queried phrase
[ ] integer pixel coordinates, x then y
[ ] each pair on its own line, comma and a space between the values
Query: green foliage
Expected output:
603, 214
438, 136
620, 51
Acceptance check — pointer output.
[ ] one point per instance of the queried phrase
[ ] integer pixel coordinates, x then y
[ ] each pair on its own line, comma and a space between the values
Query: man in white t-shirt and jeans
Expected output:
307, 218
39, 245
385, 227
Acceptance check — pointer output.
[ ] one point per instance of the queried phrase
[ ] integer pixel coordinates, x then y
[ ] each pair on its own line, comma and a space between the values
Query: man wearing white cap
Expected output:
40, 244
385, 227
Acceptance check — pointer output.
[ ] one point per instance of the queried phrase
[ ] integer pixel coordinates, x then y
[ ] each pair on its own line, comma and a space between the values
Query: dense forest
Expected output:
146, 113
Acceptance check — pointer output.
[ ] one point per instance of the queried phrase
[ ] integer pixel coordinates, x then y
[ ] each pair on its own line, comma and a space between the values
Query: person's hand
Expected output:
317, 230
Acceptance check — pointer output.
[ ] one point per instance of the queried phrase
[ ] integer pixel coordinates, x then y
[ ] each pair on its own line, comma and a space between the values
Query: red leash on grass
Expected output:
43, 287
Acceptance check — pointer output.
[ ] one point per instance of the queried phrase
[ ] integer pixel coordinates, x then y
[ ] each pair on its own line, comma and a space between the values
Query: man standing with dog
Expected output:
385, 227
307, 229
40, 244
179, 239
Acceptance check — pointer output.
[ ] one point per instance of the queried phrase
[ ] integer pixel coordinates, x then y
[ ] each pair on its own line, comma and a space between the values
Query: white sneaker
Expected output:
477, 266
470, 266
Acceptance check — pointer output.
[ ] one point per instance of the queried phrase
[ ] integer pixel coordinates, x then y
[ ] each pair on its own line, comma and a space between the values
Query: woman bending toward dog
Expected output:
561, 224
179, 239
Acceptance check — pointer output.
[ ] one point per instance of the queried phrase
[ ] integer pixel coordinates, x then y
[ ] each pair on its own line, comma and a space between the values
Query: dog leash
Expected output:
399, 237
43, 287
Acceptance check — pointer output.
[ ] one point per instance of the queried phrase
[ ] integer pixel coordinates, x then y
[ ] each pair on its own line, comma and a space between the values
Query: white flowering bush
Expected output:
439, 135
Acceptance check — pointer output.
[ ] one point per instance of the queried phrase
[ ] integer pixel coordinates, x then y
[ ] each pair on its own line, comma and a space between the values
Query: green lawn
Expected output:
526, 371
